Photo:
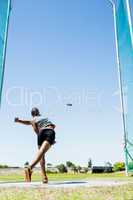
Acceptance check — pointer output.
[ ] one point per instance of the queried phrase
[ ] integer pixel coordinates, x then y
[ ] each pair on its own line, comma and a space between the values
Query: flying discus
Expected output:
69, 104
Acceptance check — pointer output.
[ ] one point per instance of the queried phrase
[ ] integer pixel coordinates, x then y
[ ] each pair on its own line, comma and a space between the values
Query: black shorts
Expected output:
46, 135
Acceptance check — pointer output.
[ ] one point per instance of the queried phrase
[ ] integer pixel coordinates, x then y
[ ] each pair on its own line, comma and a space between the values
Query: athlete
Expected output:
45, 139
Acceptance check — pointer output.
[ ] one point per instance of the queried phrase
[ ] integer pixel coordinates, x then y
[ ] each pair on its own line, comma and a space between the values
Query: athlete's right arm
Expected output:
35, 127
25, 122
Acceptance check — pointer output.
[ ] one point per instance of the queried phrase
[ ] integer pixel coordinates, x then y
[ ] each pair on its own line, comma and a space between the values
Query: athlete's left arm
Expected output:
25, 122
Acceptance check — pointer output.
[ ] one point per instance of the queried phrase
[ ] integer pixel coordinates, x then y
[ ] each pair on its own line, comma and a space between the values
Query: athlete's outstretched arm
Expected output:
25, 122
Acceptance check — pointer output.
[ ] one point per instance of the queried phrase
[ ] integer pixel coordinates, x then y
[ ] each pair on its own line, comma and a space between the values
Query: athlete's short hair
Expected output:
35, 112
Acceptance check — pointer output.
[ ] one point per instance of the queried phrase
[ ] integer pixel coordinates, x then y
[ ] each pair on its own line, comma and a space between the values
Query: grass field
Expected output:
19, 176
96, 193
123, 192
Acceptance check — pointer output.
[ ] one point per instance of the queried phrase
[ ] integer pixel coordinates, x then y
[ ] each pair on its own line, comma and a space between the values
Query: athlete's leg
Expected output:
43, 149
42, 164
43, 169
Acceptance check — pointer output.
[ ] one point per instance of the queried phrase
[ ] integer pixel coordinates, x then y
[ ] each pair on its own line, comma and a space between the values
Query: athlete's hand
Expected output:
16, 119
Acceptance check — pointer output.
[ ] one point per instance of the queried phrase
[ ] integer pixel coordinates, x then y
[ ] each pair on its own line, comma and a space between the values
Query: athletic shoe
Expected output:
45, 180
28, 173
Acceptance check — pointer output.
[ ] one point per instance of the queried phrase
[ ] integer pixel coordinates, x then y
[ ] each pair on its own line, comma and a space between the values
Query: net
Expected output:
5, 6
124, 29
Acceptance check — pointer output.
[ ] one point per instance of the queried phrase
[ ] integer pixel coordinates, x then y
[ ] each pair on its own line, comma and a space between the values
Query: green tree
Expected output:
119, 166
69, 164
49, 165
62, 168
79, 168
26, 163
3, 166
90, 163
72, 166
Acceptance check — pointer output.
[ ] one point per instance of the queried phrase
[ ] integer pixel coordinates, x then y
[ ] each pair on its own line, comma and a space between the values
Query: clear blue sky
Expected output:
62, 51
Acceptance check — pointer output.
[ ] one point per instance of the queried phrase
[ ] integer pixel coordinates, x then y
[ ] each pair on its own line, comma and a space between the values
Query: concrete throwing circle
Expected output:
63, 184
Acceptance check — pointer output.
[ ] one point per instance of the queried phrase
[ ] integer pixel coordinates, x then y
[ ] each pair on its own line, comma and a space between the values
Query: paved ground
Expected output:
62, 184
